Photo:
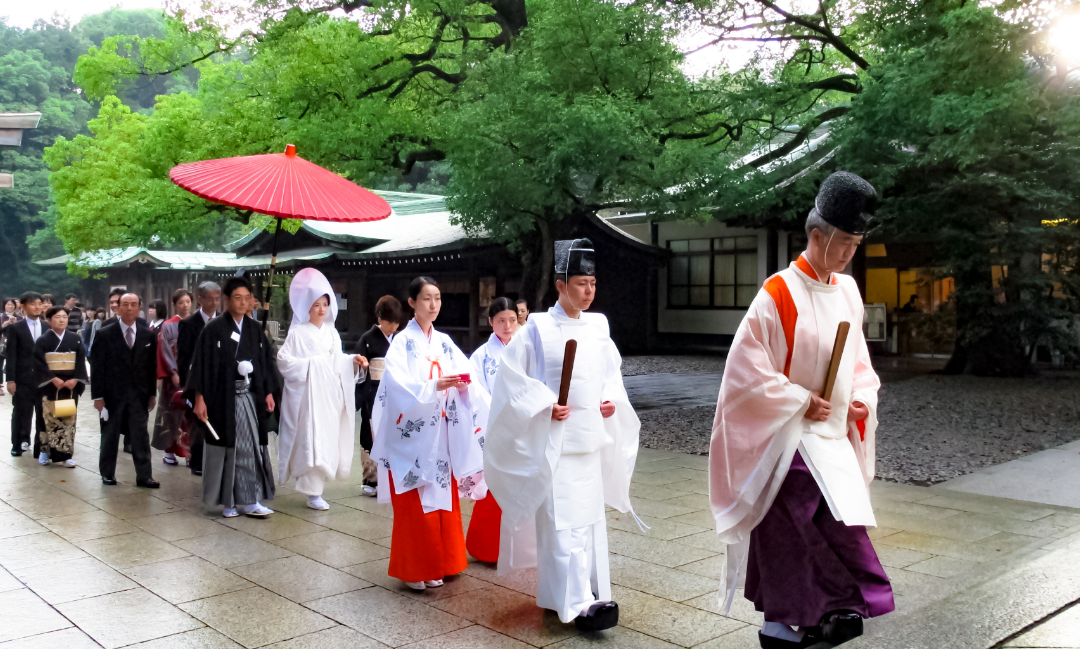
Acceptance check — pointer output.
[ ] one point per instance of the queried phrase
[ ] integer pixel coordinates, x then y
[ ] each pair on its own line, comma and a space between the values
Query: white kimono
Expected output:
315, 440
424, 437
551, 478
760, 419
485, 362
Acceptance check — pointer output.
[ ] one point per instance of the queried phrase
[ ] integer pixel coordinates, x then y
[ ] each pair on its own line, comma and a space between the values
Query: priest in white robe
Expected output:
552, 468
789, 472
315, 440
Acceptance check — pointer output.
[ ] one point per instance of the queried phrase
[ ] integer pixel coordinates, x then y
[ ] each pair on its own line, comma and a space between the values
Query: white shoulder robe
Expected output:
424, 437
760, 412
485, 362
524, 444
317, 404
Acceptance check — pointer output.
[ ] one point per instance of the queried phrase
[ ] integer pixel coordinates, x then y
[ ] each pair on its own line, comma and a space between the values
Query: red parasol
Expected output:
282, 185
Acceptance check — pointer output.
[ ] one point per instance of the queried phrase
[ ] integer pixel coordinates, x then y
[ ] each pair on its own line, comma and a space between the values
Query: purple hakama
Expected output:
803, 563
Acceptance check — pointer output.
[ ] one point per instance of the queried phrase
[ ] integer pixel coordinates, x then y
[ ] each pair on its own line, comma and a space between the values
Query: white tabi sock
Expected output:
781, 631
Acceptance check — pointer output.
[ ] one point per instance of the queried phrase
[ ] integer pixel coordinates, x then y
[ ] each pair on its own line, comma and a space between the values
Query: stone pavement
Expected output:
84, 565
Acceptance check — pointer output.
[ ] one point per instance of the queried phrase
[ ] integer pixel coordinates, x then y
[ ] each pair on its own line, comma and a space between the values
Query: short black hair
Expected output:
234, 283
117, 292
498, 305
418, 285
388, 308
160, 309
521, 300
54, 310
29, 296
69, 296
48, 297
179, 293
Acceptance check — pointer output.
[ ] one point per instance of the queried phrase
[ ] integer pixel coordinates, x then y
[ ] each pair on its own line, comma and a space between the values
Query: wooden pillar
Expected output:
474, 304
359, 319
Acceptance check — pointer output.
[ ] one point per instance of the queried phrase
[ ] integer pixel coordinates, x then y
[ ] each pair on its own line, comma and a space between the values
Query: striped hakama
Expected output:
243, 475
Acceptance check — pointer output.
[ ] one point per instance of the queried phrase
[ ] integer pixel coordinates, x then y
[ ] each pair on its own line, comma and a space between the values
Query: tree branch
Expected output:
800, 137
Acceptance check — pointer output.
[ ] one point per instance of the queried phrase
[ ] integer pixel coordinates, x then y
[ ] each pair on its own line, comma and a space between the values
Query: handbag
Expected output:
64, 408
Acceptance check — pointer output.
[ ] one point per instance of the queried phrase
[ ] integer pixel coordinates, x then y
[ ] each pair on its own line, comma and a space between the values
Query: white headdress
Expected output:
309, 285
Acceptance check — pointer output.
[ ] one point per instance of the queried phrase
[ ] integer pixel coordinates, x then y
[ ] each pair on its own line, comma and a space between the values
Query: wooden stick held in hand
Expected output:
567, 369
834, 362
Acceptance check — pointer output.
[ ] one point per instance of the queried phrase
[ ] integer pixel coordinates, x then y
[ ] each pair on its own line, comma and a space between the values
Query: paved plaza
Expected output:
85, 565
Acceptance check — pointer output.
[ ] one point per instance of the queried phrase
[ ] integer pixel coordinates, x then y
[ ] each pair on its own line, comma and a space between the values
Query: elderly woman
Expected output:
60, 372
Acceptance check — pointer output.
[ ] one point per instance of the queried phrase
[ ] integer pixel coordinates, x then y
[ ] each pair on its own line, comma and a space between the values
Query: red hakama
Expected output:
483, 539
424, 547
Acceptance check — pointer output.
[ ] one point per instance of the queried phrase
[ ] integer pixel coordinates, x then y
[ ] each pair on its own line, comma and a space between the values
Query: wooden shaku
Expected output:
567, 369
834, 362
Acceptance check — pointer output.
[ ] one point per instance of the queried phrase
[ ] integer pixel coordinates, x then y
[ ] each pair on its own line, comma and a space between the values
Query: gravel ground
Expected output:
932, 428
638, 365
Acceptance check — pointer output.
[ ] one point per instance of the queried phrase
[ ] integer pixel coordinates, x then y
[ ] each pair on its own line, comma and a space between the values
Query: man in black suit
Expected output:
209, 296
124, 367
20, 374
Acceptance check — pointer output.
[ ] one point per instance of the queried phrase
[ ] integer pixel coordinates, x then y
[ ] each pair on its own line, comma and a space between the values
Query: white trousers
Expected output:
311, 483
572, 564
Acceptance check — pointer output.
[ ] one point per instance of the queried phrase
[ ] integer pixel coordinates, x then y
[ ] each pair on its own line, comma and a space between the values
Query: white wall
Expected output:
707, 321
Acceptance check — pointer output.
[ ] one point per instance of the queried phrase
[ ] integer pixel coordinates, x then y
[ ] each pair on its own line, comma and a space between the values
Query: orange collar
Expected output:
802, 264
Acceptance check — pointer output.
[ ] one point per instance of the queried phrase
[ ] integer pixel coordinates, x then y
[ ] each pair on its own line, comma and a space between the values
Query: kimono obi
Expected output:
60, 361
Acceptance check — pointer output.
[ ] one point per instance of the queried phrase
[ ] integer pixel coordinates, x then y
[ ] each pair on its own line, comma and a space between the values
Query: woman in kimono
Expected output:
170, 422
483, 539
315, 440
60, 369
373, 346
429, 432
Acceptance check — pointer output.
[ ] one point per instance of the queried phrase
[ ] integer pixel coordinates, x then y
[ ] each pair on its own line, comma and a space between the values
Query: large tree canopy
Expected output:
539, 113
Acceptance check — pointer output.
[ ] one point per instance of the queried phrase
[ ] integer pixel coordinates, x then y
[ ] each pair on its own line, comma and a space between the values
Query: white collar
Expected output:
413, 324
205, 317
560, 316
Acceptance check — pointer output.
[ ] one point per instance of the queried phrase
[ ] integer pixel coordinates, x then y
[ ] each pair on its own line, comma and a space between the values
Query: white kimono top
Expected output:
317, 404
424, 437
485, 362
525, 446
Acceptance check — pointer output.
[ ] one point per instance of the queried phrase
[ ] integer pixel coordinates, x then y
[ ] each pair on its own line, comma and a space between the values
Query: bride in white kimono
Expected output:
429, 426
315, 440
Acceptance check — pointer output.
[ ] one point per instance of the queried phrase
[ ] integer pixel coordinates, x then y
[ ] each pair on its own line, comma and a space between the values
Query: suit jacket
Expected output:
120, 373
189, 330
20, 354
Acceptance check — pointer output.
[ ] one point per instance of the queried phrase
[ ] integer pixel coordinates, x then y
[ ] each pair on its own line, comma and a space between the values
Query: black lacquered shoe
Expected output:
149, 483
811, 636
840, 626
108, 481
602, 615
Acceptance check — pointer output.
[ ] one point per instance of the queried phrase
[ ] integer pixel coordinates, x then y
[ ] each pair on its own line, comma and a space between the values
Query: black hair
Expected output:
9, 299
498, 305
117, 292
69, 296
29, 296
54, 310
161, 311
418, 285
181, 292
234, 283
388, 308
47, 297
99, 311
521, 300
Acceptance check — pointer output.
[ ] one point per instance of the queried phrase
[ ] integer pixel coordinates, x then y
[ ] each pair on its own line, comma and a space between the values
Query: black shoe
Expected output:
16, 452
840, 626
149, 483
196, 472
600, 616
810, 638
108, 481
127, 448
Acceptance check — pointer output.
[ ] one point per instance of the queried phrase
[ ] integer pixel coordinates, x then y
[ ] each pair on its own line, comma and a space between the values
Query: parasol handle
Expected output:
270, 281
834, 361
567, 369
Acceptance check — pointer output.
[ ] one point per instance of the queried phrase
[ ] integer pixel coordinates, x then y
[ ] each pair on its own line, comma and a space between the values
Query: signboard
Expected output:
874, 319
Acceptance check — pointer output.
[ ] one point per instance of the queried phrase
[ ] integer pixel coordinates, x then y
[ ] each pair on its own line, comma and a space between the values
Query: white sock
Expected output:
171, 456
781, 631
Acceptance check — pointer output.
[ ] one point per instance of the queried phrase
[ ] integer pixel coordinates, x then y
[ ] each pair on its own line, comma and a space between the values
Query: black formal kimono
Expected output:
236, 467
373, 344
188, 331
58, 438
